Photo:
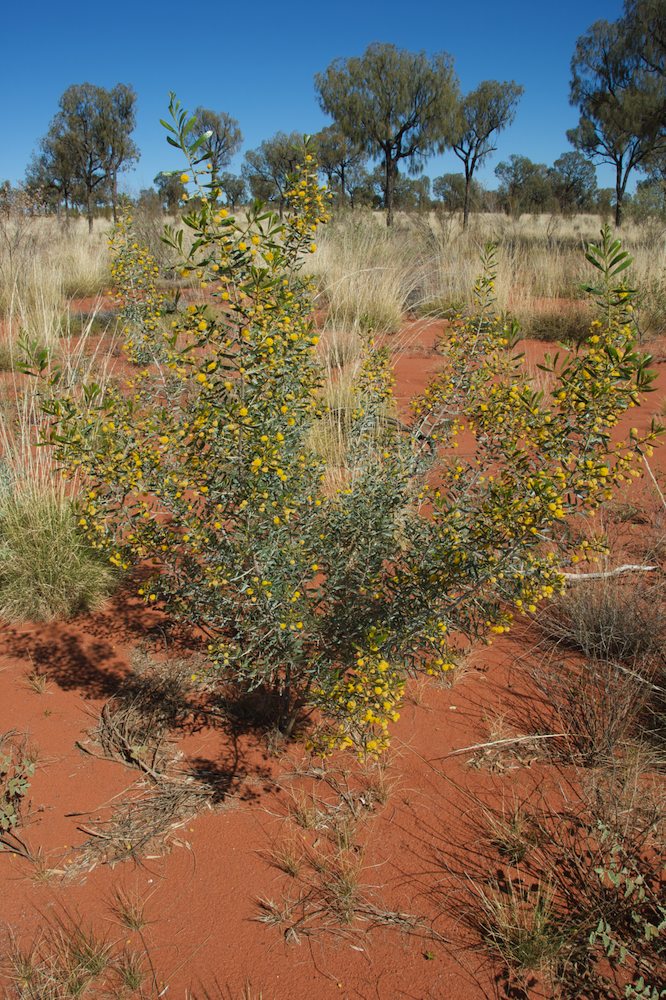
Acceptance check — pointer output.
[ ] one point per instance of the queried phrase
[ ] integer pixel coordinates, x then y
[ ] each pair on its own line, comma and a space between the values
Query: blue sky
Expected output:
257, 62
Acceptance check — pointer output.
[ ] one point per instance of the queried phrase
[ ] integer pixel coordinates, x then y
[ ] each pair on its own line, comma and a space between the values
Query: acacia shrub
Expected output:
201, 468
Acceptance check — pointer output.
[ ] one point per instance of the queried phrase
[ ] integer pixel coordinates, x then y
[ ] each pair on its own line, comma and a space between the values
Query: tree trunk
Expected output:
90, 212
114, 196
619, 194
468, 184
389, 187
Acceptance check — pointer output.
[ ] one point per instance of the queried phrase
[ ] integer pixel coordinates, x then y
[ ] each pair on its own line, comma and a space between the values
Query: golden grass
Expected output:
43, 263
368, 276
47, 570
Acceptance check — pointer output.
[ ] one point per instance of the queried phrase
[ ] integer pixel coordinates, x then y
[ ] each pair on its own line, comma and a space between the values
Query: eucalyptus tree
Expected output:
117, 122
644, 22
89, 142
525, 186
574, 181
395, 104
622, 104
452, 190
233, 188
222, 140
170, 190
268, 168
482, 114
338, 157
50, 178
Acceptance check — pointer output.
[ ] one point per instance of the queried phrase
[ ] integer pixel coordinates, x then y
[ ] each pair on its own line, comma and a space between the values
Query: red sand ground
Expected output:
201, 896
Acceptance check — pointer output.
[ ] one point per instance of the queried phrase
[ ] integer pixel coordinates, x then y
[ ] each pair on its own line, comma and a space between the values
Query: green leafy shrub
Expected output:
594, 924
631, 929
326, 597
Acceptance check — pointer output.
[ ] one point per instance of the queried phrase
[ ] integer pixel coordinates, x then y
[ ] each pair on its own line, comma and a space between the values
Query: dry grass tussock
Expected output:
368, 277
561, 886
47, 570
44, 262
599, 673
70, 958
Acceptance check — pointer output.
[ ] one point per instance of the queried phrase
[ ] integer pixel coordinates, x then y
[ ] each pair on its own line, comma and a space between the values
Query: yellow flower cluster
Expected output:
362, 703
134, 272
309, 202
533, 459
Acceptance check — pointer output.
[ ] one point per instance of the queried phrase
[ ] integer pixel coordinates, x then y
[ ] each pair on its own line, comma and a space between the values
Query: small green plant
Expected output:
513, 832
132, 972
522, 925
17, 767
596, 925
287, 857
631, 930
129, 909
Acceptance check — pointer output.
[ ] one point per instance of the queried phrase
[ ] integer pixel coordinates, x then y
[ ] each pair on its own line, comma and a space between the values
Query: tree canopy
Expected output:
117, 122
481, 115
267, 168
451, 190
87, 145
524, 185
338, 156
574, 182
223, 137
170, 190
621, 99
233, 188
644, 23
392, 103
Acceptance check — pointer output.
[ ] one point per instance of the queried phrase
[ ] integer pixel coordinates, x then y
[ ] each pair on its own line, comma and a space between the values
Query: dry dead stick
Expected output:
497, 743
606, 574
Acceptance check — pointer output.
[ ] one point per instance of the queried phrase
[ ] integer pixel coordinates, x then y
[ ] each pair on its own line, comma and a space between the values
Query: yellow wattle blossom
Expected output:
329, 585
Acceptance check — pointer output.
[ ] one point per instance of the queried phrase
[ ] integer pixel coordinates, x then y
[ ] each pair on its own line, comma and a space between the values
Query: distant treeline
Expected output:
618, 84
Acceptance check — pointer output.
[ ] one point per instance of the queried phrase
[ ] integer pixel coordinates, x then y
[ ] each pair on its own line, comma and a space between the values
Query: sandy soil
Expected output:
201, 890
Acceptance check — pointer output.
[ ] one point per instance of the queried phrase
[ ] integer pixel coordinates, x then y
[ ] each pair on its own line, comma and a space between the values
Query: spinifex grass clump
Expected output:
202, 468
47, 569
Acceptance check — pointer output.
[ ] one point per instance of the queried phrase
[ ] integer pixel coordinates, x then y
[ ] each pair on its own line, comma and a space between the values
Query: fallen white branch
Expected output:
499, 743
606, 574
